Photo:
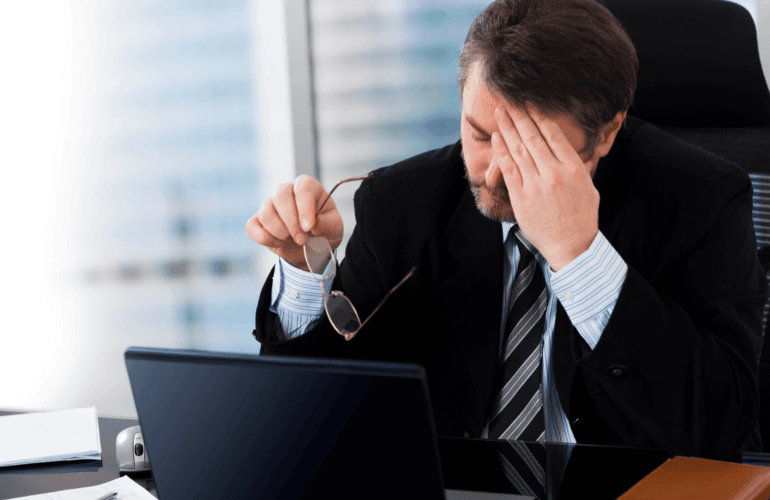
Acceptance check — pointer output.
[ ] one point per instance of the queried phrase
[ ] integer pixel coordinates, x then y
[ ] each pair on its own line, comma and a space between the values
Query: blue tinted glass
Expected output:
384, 75
176, 157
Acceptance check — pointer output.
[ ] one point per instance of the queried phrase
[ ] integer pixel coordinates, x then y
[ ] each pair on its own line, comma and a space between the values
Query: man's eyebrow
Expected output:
475, 125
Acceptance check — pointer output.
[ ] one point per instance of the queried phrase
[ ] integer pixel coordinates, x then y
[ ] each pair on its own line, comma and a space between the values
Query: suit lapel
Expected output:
472, 297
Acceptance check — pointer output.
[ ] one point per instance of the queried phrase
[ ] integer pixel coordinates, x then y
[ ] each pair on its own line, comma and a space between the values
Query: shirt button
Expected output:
293, 294
568, 297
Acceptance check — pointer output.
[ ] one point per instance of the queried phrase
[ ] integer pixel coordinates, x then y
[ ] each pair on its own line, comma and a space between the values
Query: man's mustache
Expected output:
500, 191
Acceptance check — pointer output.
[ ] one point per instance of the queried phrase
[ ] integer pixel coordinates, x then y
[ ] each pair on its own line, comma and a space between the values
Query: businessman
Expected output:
582, 276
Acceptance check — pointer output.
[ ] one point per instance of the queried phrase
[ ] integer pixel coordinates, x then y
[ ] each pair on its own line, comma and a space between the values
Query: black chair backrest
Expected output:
700, 79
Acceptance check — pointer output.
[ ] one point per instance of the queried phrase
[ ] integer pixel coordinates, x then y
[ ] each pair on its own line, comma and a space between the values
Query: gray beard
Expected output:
499, 211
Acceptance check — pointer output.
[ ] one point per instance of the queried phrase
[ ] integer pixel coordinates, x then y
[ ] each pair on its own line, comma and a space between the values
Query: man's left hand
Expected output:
552, 194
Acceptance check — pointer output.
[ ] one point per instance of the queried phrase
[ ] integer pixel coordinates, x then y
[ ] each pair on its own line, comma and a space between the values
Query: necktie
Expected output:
524, 465
517, 409
534, 469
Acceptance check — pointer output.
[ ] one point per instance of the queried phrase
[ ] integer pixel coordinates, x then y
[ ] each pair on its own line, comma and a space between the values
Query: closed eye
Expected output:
485, 138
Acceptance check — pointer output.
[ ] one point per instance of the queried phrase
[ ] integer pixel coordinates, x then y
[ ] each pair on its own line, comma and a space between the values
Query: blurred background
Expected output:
139, 136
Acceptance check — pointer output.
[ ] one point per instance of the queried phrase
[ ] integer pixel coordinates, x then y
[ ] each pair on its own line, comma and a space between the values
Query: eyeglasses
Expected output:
320, 260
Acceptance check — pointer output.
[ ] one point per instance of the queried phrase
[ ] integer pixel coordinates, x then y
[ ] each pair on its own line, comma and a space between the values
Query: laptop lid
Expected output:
221, 425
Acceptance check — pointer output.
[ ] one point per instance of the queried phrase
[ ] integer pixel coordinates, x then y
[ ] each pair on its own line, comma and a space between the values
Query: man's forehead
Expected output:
480, 94
480, 102
480, 107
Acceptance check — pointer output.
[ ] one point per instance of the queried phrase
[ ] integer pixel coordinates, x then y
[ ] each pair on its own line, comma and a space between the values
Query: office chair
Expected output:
700, 79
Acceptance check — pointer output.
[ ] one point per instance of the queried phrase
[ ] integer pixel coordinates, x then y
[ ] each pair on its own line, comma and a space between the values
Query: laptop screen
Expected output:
240, 426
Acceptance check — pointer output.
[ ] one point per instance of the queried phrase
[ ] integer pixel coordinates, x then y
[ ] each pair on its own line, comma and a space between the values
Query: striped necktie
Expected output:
534, 469
524, 465
517, 409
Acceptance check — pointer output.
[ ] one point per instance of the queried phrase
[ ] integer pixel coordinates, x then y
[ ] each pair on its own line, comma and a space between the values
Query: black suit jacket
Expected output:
677, 364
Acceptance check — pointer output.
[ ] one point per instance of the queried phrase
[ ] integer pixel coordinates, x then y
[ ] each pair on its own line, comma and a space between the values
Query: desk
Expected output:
596, 472
43, 478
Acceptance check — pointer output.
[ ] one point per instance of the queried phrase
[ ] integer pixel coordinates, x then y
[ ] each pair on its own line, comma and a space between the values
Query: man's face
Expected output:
481, 169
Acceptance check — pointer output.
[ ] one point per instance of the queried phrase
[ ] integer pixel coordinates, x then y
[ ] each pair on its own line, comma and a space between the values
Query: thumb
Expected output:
328, 227
317, 227
309, 224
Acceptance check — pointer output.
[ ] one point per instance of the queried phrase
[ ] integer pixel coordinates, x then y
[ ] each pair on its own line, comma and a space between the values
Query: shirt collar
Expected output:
507, 229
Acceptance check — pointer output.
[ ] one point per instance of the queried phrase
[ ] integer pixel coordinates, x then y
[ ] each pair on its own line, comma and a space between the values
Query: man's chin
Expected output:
493, 209
497, 215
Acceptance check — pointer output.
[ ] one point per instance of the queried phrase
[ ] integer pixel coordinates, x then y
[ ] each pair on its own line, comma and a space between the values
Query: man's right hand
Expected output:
286, 221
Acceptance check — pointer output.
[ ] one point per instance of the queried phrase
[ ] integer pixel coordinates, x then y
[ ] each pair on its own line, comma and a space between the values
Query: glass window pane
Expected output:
171, 146
384, 79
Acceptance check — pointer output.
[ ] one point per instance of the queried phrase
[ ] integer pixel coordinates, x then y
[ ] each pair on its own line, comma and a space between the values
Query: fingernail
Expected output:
307, 224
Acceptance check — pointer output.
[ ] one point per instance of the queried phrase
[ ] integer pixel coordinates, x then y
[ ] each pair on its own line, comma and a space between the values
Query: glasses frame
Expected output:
347, 336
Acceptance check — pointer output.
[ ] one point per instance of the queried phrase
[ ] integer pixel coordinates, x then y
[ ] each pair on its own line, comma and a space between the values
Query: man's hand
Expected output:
552, 195
286, 221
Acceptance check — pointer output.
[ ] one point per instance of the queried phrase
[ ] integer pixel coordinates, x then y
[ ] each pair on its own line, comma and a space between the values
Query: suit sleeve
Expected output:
683, 365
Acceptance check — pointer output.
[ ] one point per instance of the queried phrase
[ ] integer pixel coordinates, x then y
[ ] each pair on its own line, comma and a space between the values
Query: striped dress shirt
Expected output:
588, 288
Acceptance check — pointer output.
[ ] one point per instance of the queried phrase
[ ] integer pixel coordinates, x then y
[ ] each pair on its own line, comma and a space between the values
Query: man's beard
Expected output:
500, 211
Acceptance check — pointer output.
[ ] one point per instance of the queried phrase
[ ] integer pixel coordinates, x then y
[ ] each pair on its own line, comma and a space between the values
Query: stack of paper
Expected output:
126, 489
49, 437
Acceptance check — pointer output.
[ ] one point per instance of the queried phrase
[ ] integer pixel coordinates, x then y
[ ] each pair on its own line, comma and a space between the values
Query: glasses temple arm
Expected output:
335, 187
388, 295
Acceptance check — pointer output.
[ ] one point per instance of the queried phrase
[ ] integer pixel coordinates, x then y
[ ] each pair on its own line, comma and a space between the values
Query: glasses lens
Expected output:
341, 313
319, 258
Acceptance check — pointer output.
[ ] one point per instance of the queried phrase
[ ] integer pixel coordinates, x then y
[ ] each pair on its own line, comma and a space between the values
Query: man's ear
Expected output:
606, 138
615, 125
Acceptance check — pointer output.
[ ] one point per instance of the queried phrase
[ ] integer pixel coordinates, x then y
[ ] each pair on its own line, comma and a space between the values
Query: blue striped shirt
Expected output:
588, 288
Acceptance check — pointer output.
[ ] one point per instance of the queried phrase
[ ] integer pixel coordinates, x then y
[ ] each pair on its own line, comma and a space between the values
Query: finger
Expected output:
554, 136
273, 223
508, 168
308, 194
493, 177
515, 144
258, 233
532, 137
286, 207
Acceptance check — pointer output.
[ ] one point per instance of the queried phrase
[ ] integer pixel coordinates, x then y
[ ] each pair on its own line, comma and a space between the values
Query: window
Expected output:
172, 143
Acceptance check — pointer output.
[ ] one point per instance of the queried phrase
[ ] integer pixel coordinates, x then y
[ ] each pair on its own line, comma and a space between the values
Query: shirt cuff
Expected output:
297, 291
590, 284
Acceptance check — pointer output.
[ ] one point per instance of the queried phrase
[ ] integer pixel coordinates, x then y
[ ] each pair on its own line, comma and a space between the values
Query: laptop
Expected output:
221, 425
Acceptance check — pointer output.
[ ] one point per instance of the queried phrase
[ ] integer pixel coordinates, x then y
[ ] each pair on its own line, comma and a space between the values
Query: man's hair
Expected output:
564, 56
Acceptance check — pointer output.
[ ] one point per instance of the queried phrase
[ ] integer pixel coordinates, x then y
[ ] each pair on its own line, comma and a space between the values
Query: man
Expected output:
648, 329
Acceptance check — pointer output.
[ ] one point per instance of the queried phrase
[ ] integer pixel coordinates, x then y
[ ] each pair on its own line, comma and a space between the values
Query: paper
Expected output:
49, 436
127, 490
